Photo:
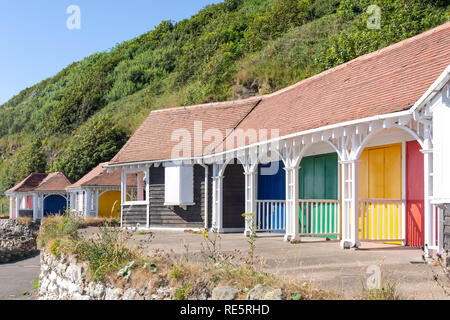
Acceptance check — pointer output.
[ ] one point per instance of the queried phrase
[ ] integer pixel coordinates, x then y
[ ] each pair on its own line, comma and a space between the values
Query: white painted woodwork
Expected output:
178, 184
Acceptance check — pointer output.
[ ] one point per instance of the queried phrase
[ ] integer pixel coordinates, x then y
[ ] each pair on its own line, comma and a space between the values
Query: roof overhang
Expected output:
434, 89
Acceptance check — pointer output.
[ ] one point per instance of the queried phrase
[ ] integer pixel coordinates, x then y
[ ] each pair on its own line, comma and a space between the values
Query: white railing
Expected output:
270, 215
382, 220
319, 217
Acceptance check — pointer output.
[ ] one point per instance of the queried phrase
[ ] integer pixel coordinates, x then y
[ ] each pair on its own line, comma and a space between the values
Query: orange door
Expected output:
109, 205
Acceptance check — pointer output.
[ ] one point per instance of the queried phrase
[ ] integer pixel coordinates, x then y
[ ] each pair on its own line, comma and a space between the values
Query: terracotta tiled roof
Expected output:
56, 181
153, 140
385, 81
101, 178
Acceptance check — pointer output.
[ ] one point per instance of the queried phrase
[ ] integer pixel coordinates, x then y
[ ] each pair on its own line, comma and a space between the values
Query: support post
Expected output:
428, 185
292, 210
350, 206
88, 205
41, 205
95, 202
11, 207
147, 194
35, 207
18, 201
217, 222
250, 196
123, 194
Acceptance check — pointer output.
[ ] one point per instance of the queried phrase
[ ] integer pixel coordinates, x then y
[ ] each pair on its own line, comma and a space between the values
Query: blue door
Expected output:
272, 186
54, 204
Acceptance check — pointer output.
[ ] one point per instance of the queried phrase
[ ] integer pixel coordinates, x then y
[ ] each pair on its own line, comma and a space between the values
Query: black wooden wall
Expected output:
193, 216
233, 196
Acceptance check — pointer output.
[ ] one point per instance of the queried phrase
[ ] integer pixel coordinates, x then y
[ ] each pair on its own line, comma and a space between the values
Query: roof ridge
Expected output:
209, 104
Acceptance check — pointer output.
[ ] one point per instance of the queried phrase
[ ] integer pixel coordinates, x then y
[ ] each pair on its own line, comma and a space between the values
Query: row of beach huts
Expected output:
360, 152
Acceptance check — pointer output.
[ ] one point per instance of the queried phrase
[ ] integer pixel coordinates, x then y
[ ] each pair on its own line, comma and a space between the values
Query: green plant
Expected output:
57, 227
296, 296
125, 271
210, 246
55, 248
36, 283
105, 253
177, 271
250, 223
183, 292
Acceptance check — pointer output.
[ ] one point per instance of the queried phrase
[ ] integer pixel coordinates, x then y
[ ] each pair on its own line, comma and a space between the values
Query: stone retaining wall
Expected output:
66, 279
17, 240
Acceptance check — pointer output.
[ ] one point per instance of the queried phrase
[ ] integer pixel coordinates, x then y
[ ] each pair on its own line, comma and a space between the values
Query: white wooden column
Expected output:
41, 205
35, 207
95, 196
18, 201
250, 195
88, 205
350, 206
217, 213
123, 193
429, 242
147, 194
11, 207
292, 210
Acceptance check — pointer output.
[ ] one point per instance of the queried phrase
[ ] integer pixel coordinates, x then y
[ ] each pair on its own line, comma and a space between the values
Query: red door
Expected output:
29, 203
414, 194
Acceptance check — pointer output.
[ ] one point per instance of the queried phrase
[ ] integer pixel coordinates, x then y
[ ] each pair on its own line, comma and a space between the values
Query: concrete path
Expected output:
317, 260
16, 279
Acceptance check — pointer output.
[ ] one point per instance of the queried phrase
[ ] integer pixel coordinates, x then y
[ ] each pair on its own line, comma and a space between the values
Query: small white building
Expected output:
39, 195
97, 194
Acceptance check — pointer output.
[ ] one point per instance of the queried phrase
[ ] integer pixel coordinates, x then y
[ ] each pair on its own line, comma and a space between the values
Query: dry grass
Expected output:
24, 221
110, 259
100, 222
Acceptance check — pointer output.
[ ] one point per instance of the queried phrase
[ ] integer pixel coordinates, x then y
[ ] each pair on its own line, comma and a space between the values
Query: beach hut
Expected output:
98, 193
39, 195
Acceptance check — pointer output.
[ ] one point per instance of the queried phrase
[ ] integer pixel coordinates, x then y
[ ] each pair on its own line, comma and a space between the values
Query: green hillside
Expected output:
235, 49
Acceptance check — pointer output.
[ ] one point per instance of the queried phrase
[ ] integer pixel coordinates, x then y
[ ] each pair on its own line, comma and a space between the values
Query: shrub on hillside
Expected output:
98, 141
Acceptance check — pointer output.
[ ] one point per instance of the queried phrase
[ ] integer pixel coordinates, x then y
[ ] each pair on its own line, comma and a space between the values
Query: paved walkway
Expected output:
318, 260
16, 279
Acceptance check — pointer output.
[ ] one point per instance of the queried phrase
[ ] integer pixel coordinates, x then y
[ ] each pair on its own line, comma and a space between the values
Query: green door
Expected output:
318, 180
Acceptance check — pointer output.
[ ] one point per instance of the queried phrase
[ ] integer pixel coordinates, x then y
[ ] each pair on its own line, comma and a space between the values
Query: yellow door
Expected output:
109, 205
380, 177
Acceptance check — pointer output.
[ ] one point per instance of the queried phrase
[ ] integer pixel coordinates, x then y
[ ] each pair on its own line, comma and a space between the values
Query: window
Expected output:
178, 185
134, 183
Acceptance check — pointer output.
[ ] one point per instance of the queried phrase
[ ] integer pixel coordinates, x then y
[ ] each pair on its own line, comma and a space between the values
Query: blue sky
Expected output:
35, 42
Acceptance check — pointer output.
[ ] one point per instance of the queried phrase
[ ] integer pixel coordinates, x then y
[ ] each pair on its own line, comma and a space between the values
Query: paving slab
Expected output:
16, 279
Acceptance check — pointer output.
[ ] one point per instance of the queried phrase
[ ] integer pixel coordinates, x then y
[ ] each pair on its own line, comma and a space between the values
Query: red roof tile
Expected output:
101, 178
153, 140
56, 181
385, 81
